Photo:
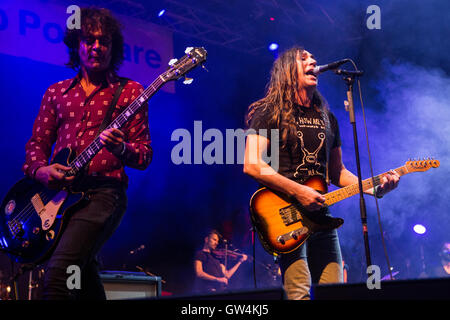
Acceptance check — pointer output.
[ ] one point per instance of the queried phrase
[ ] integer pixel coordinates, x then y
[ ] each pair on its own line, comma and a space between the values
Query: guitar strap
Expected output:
107, 119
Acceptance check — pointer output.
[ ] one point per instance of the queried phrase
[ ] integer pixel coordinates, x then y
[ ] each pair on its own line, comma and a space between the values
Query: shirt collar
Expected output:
110, 79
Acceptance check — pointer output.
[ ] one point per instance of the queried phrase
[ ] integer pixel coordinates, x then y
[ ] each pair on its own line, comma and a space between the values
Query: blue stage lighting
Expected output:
161, 13
419, 229
273, 46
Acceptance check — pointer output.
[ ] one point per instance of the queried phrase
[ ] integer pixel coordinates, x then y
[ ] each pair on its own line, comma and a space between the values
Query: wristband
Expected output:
376, 193
33, 174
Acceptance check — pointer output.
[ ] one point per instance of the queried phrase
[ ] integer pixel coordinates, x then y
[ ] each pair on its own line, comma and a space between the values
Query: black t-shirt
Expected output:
310, 157
211, 266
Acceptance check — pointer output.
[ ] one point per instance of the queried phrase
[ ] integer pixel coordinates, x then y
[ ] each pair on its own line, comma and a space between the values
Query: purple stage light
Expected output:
419, 229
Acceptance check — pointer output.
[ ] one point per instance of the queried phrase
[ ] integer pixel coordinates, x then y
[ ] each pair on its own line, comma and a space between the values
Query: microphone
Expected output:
330, 66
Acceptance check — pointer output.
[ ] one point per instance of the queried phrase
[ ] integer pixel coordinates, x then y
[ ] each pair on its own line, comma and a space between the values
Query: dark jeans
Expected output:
85, 233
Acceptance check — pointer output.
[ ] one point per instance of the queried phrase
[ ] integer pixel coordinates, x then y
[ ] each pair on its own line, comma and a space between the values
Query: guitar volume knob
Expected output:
281, 240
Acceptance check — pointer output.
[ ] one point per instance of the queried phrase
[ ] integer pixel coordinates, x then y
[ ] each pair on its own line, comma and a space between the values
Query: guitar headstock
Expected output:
179, 67
421, 165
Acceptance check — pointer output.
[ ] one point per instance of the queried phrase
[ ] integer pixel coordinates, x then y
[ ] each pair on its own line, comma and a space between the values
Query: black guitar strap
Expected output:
107, 119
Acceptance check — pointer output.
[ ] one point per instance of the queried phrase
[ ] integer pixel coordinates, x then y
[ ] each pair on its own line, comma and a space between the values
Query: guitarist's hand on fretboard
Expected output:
112, 139
53, 176
390, 182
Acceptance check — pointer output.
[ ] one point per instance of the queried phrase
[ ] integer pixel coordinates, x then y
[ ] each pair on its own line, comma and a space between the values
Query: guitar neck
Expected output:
351, 190
95, 146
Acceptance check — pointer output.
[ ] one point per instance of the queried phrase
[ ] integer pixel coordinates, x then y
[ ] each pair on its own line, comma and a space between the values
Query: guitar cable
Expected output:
372, 175
254, 256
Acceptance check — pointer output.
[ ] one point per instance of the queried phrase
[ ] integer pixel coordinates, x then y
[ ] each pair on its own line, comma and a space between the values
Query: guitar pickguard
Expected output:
48, 212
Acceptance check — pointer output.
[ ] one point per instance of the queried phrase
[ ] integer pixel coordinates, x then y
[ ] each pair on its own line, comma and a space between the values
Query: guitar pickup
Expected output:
37, 203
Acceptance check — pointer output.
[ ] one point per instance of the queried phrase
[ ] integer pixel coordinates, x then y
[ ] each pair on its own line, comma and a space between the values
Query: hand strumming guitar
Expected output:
53, 176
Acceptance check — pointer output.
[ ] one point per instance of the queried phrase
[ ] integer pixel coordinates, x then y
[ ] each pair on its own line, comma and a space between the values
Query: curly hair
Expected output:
282, 96
94, 19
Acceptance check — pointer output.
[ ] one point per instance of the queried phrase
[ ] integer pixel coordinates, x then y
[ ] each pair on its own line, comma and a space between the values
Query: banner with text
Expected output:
35, 29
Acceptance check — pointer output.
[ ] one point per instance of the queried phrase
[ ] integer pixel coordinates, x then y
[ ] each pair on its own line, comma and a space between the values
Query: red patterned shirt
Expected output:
69, 118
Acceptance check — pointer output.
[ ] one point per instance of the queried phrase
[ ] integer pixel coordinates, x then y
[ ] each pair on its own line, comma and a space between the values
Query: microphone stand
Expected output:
349, 78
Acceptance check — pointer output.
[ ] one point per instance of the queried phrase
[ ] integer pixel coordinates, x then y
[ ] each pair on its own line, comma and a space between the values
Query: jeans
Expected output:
318, 260
85, 233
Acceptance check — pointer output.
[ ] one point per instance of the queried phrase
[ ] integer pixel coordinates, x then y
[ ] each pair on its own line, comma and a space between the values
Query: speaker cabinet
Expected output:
122, 285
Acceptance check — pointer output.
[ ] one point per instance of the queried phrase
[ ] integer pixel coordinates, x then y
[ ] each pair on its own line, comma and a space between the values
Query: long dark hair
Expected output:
282, 96
93, 19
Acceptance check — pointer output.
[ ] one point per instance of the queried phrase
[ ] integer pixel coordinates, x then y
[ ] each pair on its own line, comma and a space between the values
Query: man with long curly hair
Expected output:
71, 115
310, 145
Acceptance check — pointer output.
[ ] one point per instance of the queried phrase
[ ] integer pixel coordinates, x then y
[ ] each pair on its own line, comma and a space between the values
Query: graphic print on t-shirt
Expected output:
309, 163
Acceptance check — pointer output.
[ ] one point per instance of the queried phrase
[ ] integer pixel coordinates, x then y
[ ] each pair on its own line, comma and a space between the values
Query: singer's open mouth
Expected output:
311, 73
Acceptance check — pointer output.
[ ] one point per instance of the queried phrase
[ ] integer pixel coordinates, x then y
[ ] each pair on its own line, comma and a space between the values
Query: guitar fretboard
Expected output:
351, 190
95, 146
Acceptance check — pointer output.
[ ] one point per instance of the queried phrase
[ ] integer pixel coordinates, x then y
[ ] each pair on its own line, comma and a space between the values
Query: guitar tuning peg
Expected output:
187, 80
203, 67
188, 50
172, 61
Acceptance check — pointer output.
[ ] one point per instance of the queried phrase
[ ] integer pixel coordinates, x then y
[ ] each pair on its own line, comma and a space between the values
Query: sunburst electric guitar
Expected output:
282, 224
32, 216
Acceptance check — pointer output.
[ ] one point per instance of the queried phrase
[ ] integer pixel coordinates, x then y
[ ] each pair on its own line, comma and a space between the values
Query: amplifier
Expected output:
123, 285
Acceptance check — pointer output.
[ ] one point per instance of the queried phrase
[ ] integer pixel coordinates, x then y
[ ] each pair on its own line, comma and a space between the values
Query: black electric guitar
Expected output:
282, 224
32, 217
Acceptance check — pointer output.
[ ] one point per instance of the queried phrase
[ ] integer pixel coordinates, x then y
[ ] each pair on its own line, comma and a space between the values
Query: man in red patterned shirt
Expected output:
71, 114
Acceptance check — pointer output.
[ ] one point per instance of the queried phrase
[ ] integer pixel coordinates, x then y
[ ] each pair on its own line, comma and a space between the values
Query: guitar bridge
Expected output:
290, 215
16, 228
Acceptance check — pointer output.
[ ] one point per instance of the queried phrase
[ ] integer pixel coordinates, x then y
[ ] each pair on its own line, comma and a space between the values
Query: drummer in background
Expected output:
211, 275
